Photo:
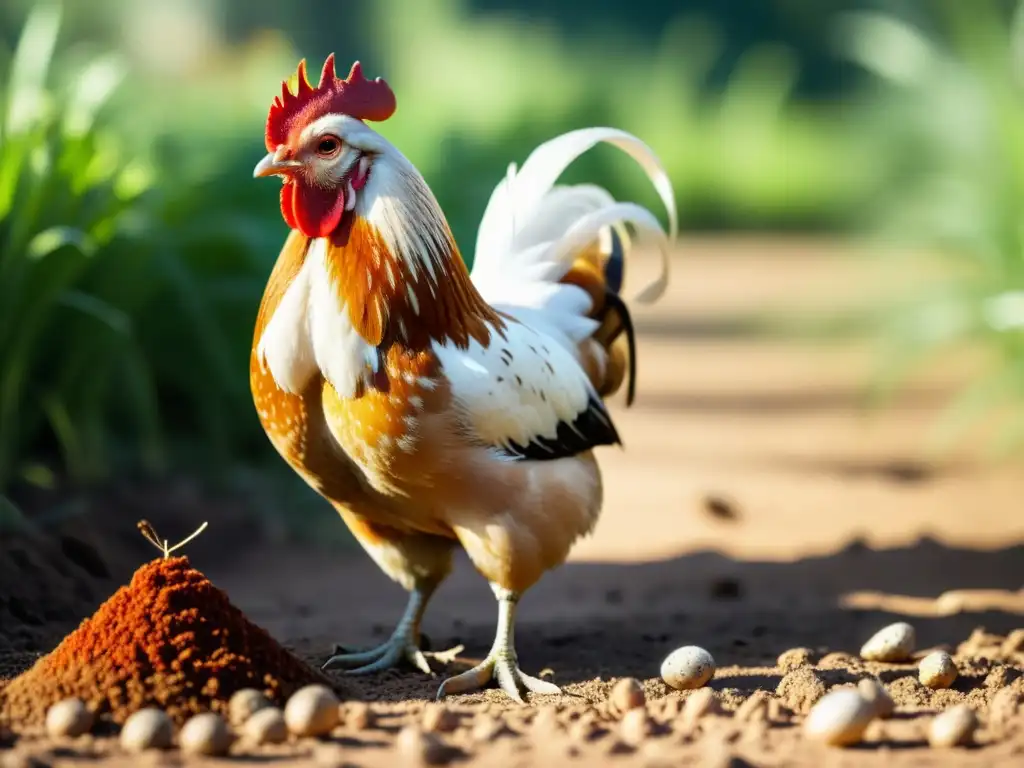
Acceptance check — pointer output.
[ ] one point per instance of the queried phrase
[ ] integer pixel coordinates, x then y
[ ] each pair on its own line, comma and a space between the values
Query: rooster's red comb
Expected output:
355, 96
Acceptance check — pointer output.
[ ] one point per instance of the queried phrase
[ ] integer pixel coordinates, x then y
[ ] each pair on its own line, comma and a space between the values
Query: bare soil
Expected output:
758, 507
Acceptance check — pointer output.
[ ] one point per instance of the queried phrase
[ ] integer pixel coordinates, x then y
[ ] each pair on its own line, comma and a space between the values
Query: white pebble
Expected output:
265, 726
876, 695
148, 728
69, 717
312, 711
205, 734
687, 667
937, 670
954, 727
840, 718
892, 643
244, 703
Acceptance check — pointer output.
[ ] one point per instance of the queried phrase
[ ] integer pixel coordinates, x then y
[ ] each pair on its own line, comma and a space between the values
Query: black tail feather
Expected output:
615, 266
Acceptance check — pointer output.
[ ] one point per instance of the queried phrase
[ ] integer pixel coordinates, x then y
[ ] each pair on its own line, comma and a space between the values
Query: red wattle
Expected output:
317, 211
288, 204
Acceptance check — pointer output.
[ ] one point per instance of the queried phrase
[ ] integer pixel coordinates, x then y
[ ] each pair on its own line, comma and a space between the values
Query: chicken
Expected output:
434, 408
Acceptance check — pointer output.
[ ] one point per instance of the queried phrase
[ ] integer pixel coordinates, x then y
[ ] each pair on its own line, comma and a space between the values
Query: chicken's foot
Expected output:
402, 646
501, 663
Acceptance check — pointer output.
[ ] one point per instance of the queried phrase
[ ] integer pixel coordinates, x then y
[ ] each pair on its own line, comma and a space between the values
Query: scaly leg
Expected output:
403, 645
501, 663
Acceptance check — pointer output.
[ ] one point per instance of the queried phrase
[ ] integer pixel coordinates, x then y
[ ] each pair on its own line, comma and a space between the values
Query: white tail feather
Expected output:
532, 229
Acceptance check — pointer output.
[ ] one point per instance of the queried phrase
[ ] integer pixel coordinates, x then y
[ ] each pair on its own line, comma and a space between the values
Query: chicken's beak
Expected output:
275, 163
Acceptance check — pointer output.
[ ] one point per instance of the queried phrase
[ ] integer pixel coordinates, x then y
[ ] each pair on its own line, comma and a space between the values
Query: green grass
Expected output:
126, 298
68, 207
948, 121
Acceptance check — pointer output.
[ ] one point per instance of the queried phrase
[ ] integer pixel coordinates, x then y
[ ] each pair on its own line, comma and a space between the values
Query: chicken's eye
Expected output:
328, 146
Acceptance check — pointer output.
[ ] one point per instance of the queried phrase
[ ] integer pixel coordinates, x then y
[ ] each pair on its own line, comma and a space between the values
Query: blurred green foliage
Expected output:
948, 118
135, 244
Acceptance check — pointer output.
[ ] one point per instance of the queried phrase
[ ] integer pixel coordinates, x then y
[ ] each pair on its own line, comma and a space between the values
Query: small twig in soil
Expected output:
149, 532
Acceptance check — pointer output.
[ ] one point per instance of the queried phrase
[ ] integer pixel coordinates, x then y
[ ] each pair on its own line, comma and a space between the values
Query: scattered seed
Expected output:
626, 694
634, 727
311, 711
688, 667
266, 726
840, 718
698, 704
148, 728
437, 718
205, 734
893, 643
69, 717
795, 658
244, 703
954, 727
937, 670
876, 695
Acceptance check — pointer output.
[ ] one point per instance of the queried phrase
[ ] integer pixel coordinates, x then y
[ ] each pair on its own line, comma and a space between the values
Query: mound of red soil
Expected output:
170, 639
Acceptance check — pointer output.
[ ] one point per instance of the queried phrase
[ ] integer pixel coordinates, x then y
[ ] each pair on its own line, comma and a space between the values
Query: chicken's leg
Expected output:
501, 663
403, 645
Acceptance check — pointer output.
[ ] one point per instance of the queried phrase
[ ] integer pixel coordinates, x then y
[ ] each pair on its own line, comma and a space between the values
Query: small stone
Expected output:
698, 704
893, 643
68, 718
626, 694
840, 718
437, 718
876, 695
795, 658
148, 728
266, 726
801, 689
205, 734
634, 727
688, 667
954, 727
754, 709
937, 670
357, 715
312, 711
243, 703
419, 748
1014, 643
486, 728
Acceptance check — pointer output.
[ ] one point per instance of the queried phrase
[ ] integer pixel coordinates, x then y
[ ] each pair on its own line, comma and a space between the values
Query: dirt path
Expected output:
757, 507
